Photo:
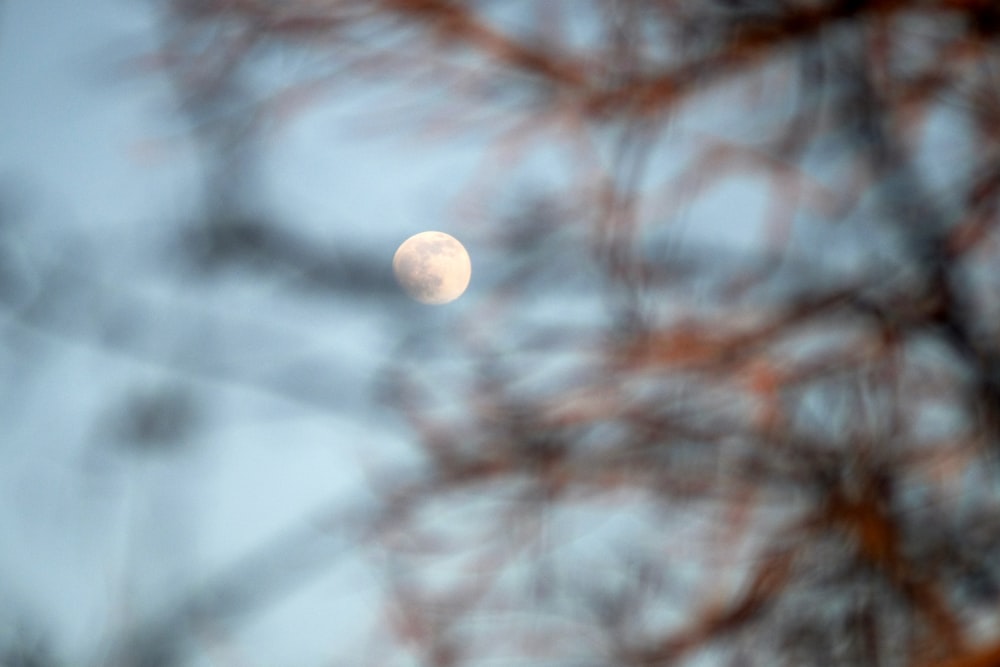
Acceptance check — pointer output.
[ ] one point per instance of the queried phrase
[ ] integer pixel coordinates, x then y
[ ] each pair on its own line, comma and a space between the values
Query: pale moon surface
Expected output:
433, 267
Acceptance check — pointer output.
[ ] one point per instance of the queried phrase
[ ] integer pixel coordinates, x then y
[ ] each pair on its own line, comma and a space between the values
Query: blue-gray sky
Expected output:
274, 389
100, 173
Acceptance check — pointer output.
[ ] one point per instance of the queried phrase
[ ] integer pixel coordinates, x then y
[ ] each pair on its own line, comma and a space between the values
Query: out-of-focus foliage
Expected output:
735, 394
778, 449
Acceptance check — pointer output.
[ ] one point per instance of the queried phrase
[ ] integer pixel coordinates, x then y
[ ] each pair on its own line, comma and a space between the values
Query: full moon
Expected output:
432, 267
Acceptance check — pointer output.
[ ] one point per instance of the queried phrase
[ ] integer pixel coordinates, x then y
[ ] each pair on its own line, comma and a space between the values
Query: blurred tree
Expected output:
737, 399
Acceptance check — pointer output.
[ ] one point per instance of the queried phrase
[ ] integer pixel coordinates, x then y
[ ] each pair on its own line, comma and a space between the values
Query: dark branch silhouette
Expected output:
762, 434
